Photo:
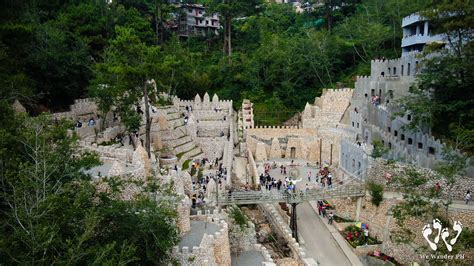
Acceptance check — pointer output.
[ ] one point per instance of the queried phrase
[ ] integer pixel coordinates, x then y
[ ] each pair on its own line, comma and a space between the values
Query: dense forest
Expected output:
280, 59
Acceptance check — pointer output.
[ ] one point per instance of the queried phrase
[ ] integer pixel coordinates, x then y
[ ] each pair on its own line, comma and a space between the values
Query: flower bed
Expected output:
355, 236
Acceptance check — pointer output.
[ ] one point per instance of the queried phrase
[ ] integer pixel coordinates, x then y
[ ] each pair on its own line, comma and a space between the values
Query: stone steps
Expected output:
173, 116
180, 127
184, 147
171, 135
179, 141
191, 154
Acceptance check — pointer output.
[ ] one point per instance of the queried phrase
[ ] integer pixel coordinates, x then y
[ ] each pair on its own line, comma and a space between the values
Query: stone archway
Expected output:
292, 152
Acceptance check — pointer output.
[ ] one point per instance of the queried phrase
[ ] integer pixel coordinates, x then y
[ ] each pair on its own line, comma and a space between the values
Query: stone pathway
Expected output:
194, 236
319, 241
456, 205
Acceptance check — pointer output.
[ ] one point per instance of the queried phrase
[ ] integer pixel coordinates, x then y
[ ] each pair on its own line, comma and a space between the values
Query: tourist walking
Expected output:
366, 234
468, 197
330, 218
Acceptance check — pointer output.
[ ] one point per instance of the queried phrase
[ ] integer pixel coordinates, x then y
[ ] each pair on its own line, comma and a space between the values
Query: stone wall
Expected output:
213, 250
390, 80
183, 223
281, 228
212, 147
328, 109
354, 158
377, 218
380, 167
204, 104
82, 108
321, 146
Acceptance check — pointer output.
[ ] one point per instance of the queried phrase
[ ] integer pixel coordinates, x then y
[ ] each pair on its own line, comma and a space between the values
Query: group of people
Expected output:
90, 123
325, 177
322, 210
270, 182
198, 199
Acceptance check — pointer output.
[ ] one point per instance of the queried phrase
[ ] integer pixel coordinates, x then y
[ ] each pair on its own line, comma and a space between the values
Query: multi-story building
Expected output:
417, 32
192, 20
374, 108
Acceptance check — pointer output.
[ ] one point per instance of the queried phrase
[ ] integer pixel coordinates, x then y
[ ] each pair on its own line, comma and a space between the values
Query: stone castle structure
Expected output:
338, 129
317, 139
374, 108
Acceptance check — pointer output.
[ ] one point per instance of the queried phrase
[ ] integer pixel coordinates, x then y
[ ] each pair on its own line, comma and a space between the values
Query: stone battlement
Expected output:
214, 249
335, 91
272, 127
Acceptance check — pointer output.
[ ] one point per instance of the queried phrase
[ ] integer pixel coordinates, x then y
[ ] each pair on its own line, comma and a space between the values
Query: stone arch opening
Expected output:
292, 152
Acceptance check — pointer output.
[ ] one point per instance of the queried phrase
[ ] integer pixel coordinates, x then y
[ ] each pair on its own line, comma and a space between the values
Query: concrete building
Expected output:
417, 32
192, 20
374, 106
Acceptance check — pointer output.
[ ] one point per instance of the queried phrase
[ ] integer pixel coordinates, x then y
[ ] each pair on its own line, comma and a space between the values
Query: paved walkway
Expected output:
319, 241
456, 205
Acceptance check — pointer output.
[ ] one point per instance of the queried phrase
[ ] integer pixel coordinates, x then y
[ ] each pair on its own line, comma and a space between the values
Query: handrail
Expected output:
254, 197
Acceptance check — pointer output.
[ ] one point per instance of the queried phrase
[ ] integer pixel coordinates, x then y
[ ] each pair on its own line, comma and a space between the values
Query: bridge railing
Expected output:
253, 197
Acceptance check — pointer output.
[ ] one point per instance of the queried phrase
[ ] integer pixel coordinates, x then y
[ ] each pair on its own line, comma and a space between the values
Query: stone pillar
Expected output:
359, 206
425, 32
386, 231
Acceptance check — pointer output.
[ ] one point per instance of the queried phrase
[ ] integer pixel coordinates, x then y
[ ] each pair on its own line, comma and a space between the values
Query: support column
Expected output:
359, 206
425, 32
330, 156
294, 222
386, 230
320, 152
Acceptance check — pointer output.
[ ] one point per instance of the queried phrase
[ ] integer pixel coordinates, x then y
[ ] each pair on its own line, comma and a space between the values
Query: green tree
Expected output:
53, 213
441, 101
376, 193
123, 79
228, 10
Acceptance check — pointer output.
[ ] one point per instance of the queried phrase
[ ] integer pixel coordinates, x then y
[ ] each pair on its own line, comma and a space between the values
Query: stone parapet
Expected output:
214, 249
298, 252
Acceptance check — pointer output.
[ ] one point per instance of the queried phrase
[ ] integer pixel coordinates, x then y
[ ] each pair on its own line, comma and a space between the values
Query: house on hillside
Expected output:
192, 20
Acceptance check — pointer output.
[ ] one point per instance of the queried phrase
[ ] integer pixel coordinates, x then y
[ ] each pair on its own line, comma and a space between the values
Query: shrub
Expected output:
379, 149
193, 171
186, 164
199, 176
376, 193
238, 216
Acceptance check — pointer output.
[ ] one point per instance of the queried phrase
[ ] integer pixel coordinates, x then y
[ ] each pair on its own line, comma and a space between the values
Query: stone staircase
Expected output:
176, 137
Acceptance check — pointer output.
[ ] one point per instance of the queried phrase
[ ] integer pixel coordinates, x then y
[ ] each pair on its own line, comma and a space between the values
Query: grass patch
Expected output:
186, 164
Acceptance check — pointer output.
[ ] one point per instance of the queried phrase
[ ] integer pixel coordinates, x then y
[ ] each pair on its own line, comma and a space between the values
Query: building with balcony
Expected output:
192, 20
417, 33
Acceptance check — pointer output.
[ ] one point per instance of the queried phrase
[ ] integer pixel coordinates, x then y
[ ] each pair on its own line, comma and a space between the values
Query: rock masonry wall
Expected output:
213, 250
380, 167
376, 217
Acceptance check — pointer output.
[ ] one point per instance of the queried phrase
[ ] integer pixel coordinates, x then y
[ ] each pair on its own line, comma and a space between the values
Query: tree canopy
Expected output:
51, 212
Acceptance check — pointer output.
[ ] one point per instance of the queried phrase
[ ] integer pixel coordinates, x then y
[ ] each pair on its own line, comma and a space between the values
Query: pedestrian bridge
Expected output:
257, 197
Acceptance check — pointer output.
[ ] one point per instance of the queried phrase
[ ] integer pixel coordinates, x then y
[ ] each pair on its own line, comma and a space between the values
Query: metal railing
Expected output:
257, 197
